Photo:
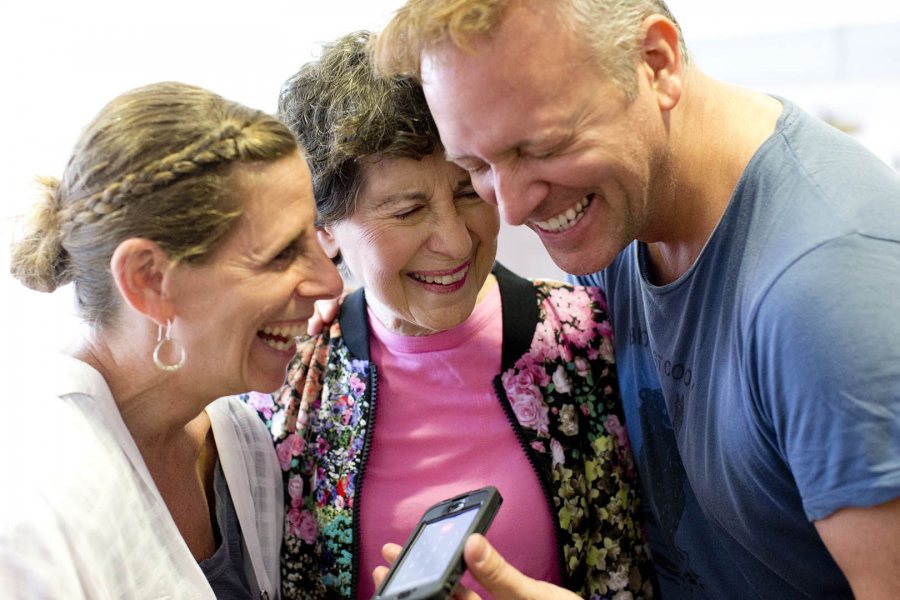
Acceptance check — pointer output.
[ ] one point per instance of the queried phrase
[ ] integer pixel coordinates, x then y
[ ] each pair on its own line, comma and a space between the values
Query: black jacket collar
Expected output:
520, 317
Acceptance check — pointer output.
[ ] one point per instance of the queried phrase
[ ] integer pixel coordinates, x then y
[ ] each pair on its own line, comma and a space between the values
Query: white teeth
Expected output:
279, 345
286, 333
442, 279
565, 220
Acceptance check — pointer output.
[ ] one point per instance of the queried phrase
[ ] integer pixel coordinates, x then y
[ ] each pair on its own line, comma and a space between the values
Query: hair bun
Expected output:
38, 258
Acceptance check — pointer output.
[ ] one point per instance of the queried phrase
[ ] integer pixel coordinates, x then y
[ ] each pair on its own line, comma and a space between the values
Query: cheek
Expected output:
483, 182
484, 221
382, 254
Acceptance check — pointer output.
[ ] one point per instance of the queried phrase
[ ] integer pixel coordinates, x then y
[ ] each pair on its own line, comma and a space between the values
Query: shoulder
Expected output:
821, 338
559, 293
241, 414
75, 492
577, 314
851, 278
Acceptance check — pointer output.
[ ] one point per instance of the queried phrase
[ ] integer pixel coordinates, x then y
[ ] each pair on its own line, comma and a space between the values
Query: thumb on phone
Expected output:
503, 581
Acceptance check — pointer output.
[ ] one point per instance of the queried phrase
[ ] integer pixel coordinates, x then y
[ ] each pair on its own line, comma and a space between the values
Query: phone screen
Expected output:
431, 551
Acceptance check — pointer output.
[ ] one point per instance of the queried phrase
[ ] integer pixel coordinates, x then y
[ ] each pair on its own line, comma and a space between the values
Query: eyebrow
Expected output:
522, 143
465, 181
282, 243
297, 238
401, 197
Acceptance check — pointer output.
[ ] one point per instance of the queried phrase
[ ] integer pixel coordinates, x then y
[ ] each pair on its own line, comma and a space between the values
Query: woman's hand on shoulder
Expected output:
326, 313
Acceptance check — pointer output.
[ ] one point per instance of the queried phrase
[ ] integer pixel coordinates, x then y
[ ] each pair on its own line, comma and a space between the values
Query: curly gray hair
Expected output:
344, 113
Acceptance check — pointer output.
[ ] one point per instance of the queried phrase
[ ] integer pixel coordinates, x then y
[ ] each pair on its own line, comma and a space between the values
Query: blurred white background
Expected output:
61, 61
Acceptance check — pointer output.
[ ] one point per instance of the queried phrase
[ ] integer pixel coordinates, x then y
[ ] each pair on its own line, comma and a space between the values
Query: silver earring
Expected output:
162, 341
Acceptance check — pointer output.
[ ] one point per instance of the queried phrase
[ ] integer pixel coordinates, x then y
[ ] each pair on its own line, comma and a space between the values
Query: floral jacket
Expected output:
559, 391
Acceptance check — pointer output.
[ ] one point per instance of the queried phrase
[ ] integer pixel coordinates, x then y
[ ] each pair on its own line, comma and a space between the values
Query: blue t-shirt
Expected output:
762, 388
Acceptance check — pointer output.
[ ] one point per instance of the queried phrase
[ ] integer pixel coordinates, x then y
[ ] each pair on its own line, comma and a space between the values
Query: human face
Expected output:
421, 242
548, 138
238, 313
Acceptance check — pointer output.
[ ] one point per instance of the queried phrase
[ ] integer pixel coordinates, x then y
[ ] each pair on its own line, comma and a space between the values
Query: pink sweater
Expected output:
439, 431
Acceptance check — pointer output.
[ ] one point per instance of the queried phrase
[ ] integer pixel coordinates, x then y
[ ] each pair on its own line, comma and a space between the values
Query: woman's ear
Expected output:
139, 269
662, 59
329, 243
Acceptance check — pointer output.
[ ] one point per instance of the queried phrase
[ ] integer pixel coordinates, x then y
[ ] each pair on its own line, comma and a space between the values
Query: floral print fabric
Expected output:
561, 397
564, 395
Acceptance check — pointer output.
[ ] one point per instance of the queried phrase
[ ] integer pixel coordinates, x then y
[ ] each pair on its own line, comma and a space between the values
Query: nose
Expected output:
322, 281
450, 234
517, 193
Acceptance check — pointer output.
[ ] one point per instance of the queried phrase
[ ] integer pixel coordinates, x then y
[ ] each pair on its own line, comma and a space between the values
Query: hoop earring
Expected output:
162, 341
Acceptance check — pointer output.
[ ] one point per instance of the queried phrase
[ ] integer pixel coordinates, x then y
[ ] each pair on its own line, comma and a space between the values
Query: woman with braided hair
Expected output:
186, 222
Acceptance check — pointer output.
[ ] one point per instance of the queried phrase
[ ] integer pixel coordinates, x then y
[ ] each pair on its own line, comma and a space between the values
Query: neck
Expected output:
170, 428
716, 130
394, 324
157, 407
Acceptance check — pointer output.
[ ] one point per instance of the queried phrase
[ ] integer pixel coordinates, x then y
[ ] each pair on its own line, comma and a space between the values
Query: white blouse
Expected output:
80, 516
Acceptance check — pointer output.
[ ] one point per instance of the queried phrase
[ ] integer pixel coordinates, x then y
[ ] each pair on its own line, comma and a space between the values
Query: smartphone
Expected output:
431, 562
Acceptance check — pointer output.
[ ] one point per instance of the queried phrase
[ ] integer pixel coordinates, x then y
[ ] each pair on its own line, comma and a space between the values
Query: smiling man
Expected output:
751, 258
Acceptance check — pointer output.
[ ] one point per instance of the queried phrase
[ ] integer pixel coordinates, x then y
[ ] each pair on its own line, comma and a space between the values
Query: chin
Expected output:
583, 260
574, 264
267, 383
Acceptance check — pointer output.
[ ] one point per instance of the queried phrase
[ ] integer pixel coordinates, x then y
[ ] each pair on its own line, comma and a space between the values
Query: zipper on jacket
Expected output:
545, 486
372, 394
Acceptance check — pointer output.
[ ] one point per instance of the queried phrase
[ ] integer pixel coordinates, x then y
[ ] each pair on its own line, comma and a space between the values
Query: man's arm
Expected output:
865, 543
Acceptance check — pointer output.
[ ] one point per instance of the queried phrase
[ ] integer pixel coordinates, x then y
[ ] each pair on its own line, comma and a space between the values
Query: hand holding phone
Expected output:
431, 563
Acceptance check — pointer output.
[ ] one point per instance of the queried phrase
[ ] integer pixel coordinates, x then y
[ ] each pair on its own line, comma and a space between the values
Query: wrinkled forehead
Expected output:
386, 179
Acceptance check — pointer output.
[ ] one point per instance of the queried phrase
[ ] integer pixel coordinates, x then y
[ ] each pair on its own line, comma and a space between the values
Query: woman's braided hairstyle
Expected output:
156, 163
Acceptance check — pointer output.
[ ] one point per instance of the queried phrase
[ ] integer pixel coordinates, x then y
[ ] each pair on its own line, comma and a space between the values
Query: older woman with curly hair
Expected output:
445, 371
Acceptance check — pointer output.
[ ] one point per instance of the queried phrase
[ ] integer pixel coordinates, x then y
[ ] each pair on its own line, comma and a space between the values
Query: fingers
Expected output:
378, 575
486, 565
461, 592
329, 308
503, 581
390, 552
326, 313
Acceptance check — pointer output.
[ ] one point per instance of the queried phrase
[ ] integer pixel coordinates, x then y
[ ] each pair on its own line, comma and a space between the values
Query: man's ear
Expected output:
329, 243
139, 268
662, 59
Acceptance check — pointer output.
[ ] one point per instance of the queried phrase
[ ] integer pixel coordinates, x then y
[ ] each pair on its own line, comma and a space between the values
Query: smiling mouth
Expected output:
565, 220
281, 338
448, 279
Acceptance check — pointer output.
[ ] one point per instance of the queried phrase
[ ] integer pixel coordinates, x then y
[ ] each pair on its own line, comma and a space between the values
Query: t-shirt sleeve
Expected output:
825, 359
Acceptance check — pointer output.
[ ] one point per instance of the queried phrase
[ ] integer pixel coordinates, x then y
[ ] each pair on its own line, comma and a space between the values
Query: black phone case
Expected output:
489, 500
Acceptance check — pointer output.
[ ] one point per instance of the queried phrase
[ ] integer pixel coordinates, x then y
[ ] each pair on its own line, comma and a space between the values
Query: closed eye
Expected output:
467, 195
289, 254
407, 213
465, 190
